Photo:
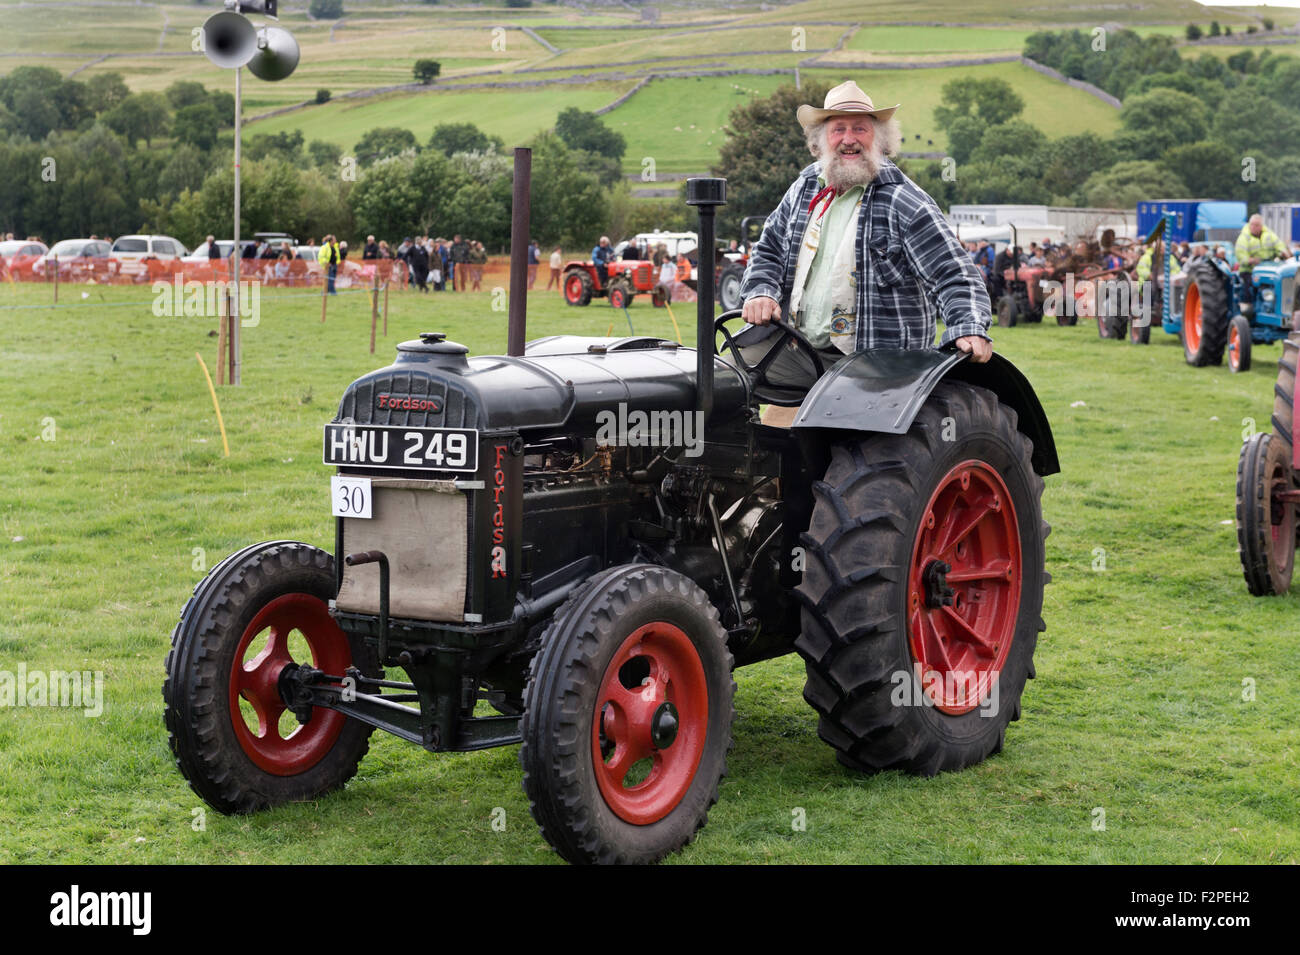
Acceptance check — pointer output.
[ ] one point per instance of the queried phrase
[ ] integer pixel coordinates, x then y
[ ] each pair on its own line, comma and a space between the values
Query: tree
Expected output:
139, 116
582, 130
452, 138
1066, 163
1268, 23
382, 142
1125, 183
764, 152
322, 96
185, 170
106, 90
568, 207
426, 70
196, 125
325, 9
184, 93
964, 136
1194, 32
1015, 139
286, 146
1215, 29
1207, 168
383, 200
1253, 123
325, 156
991, 101
1160, 120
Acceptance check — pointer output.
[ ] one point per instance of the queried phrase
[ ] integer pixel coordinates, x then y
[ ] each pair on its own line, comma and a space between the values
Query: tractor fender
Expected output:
882, 391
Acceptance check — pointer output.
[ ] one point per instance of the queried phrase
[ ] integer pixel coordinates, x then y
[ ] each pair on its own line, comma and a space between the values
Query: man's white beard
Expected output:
844, 174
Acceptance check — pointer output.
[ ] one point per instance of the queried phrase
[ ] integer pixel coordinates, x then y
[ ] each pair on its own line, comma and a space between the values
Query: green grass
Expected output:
927, 40
515, 115
1137, 708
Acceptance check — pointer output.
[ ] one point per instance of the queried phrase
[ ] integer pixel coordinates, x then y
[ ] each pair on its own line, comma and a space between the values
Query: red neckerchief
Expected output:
829, 194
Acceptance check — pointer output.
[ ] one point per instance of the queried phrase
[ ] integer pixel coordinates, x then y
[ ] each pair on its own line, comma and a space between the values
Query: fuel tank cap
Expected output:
433, 343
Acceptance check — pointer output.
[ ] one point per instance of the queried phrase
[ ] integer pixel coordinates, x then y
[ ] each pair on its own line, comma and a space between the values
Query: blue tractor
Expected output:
1211, 309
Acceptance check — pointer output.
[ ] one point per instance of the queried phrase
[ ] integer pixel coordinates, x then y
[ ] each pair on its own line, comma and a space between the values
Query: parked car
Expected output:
200, 254
20, 255
78, 259
133, 252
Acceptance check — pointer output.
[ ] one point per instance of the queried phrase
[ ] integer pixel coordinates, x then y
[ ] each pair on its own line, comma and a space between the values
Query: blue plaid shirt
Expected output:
916, 265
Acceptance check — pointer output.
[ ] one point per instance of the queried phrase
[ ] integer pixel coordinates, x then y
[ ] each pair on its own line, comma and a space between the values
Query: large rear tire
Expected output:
1007, 311
1205, 316
1284, 390
627, 717
577, 287
1266, 527
234, 638
901, 679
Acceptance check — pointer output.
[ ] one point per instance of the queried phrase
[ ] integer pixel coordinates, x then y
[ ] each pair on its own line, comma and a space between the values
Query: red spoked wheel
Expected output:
258, 611
964, 587
923, 588
618, 295
274, 747
627, 717
652, 717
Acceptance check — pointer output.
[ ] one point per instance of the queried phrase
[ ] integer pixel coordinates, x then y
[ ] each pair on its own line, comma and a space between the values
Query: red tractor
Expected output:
627, 277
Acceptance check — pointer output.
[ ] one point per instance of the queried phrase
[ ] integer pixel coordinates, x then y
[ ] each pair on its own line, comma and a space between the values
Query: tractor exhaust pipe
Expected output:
517, 325
706, 194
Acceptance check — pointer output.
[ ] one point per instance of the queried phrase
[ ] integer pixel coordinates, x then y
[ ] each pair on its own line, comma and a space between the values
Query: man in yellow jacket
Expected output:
1143, 267
1257, 243
329, 257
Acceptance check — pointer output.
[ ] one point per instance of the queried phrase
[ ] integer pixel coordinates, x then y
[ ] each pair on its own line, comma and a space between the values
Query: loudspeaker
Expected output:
276, 56
230, 40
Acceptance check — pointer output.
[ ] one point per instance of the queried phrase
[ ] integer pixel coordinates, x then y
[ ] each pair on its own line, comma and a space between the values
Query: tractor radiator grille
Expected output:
455, 409
423, 528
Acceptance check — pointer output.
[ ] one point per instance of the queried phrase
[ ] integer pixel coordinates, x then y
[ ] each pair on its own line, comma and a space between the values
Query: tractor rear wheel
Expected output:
1284, 390
577, 287
1205, 316
1266, 527
729, 287
627, 717
229, 729
1239, 344
1007, 312
923, 589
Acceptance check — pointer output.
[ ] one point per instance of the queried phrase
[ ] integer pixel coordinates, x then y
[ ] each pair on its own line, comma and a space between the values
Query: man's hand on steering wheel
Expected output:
760, 310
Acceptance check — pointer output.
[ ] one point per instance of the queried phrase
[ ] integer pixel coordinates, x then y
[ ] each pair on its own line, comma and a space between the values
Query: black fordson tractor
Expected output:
543, 584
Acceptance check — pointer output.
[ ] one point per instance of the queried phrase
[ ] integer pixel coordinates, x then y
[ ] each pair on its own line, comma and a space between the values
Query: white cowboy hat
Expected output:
844, 100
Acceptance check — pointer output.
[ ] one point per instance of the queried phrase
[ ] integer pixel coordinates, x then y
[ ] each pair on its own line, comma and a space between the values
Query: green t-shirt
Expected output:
815, 305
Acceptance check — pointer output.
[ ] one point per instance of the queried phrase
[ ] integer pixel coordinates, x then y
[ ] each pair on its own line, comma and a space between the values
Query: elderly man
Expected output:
601, 256
1257, 243
856, 254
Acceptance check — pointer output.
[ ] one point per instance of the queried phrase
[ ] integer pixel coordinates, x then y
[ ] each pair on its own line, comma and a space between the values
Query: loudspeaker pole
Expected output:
233, 311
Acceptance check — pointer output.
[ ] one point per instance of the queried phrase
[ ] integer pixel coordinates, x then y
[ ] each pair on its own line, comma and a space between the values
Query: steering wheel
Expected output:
785, 396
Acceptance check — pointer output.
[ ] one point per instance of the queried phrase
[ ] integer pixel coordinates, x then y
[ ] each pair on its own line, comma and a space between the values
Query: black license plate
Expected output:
394, 446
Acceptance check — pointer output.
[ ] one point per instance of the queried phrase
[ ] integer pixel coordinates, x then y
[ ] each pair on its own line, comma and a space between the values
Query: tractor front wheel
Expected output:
1266, 526
234, 739
577, 287
1239, 344
923, 588
627, 717
620, 293
729, 287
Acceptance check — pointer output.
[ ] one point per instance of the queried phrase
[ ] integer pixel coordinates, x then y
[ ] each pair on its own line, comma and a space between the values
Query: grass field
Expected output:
1137, 710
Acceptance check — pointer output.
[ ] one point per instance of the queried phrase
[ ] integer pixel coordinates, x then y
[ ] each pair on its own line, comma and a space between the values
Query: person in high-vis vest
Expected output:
330, 258
1143, 267
1257, 243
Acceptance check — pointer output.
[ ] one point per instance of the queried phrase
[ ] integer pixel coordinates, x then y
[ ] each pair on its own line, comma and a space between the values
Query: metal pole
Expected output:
239, 253
517, 327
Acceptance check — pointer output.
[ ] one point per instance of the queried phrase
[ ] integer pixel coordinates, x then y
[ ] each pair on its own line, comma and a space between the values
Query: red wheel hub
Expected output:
964, 587
257, 681
651, 719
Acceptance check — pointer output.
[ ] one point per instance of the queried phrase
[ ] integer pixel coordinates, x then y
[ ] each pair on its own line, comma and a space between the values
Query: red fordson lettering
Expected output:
499, 514
407, 403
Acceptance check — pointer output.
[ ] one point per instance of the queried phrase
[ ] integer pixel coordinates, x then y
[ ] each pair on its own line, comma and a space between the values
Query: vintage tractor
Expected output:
1213, 312
588, 535
627, 277
1267, 490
